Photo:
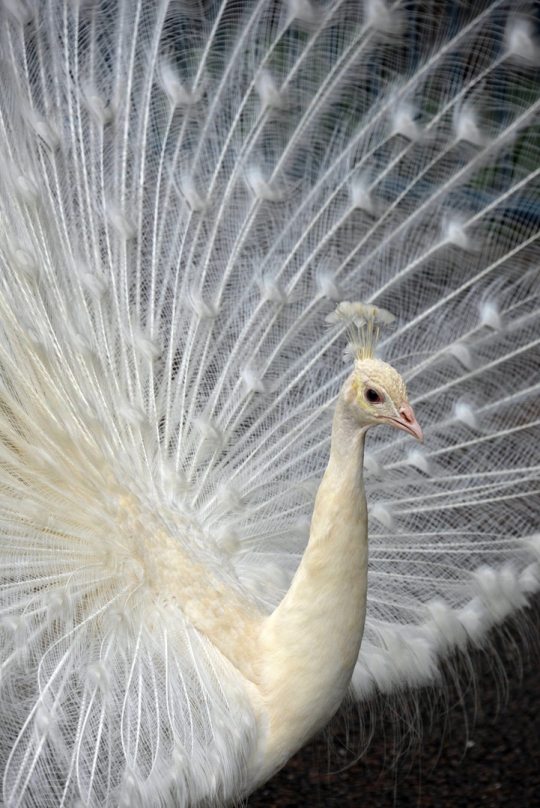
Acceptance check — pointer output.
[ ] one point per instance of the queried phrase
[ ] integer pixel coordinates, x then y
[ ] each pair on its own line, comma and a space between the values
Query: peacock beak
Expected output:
407, 421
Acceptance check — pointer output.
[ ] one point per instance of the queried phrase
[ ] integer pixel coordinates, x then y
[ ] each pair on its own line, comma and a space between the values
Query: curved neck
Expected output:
309, 645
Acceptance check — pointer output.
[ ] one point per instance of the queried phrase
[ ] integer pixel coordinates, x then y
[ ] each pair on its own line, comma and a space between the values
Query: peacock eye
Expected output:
373, 396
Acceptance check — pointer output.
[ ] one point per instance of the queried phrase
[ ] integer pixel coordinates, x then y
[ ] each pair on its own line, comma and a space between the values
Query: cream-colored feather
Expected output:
187, 190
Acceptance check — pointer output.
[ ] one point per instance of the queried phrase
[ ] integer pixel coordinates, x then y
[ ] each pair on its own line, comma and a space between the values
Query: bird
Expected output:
194, 199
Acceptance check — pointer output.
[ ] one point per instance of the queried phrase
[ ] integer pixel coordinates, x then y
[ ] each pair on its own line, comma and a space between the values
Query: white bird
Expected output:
187, 190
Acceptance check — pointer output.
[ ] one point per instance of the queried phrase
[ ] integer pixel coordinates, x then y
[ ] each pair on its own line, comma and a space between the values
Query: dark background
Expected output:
488, 754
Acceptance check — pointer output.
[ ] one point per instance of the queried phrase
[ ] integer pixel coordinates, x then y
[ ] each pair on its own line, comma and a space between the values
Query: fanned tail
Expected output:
187, 191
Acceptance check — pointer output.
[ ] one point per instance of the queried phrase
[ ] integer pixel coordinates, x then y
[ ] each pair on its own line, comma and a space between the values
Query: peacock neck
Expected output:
309, 645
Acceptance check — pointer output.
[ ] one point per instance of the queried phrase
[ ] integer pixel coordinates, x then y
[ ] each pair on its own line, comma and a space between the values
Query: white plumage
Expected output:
187, 190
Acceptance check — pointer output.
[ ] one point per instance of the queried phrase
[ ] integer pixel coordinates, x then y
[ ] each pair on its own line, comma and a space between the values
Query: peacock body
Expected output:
187, 191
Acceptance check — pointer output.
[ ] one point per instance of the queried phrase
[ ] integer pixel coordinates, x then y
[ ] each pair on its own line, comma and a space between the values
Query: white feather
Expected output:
186, 191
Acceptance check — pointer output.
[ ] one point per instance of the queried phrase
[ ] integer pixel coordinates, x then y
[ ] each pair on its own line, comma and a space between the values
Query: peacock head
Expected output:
375, 393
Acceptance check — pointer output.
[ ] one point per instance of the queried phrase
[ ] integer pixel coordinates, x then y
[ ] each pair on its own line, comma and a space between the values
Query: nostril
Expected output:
406, 414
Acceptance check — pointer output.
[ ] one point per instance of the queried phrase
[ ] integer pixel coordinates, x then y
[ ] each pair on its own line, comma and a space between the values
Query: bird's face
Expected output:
376, 394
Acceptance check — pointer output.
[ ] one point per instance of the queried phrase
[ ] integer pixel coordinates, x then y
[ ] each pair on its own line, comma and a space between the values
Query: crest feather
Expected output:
363, 323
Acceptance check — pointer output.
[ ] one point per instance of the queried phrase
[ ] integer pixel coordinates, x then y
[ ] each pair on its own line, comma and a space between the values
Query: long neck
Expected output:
309, 645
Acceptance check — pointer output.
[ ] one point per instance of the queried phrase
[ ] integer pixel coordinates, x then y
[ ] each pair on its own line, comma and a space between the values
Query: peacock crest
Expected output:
363, 323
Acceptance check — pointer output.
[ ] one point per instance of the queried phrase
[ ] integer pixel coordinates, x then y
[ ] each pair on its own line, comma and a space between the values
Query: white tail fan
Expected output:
187, 189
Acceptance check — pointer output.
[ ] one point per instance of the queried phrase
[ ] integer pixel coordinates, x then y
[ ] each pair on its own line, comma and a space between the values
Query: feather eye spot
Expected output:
27, 189
46, 133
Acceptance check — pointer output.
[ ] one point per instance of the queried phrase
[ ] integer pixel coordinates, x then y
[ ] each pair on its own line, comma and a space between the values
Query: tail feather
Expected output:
186, 191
